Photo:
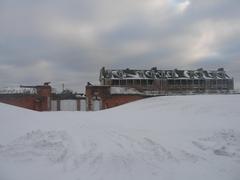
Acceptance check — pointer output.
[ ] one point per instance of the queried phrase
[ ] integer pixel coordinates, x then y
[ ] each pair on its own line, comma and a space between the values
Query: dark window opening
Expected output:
213, 82
115, 82
196, 81
177, 82
137, 82
150, 82
170, 82
144, 82
184, 82
129, 82
189, 82
123, 82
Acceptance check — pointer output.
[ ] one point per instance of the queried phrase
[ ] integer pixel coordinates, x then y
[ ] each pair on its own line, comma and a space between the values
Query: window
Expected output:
150, 82
137, 82
129, 82
184, 82
171, 82
115, 82
177, 82
123, 82
144, 82
195, 82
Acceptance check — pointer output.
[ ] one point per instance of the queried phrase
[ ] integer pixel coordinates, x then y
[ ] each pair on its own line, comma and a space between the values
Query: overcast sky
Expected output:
68, 41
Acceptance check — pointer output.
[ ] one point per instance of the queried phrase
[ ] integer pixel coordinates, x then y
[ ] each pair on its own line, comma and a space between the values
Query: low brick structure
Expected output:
39, 99
26, 101
106, 98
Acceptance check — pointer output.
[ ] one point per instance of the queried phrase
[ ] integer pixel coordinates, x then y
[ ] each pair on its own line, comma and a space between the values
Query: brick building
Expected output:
120, 86
31, 97
168, 81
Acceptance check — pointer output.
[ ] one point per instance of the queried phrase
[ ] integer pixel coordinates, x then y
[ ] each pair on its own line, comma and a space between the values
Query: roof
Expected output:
162, 74
18, 90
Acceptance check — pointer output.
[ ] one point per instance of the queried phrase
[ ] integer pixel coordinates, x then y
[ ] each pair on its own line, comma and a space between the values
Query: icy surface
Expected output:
163, 138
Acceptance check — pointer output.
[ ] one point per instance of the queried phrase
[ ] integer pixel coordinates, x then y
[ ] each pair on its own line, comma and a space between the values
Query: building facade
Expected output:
168, 81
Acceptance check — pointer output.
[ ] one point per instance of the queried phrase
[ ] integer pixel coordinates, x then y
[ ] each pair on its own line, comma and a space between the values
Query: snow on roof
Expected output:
18, 90
162, 74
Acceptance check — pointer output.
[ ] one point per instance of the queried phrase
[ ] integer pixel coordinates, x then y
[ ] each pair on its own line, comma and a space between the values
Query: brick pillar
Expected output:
45, 96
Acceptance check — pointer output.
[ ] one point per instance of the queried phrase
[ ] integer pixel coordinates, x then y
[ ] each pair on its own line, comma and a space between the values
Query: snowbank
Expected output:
171, 137
124, 90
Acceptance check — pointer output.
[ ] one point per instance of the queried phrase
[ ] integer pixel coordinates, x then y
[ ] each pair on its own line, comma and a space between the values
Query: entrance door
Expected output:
96, 105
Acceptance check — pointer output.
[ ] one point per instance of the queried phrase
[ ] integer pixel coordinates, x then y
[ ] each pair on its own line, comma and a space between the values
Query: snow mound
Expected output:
163, 138
54, 146
224, 143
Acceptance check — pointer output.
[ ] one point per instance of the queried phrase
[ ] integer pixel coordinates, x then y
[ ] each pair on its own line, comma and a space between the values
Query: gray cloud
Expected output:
69, 41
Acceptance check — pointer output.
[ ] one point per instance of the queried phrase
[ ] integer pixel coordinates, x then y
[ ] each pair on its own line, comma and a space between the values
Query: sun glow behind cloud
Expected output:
182, 6
179, 5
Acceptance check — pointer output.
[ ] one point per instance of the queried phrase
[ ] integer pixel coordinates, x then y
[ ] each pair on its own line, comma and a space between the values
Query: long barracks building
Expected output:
168, 81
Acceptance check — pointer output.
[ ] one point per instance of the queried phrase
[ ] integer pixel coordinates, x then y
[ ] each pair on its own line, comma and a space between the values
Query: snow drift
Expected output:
177, 137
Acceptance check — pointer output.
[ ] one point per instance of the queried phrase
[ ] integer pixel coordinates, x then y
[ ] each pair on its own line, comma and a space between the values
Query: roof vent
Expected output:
154, 68
220, 69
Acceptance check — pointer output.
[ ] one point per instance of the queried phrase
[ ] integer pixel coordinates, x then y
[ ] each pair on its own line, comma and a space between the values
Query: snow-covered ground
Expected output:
162, 138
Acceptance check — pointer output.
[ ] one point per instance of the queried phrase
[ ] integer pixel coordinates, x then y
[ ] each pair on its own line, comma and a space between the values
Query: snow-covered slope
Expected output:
168, 138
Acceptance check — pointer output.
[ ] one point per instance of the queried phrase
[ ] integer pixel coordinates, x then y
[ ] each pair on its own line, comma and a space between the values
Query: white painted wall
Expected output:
83, 105
68, 105
53, 105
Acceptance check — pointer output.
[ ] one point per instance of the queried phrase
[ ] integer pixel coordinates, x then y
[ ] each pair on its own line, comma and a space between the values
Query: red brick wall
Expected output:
25, 101
92, 92
108, 100
116, 100
38, 102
